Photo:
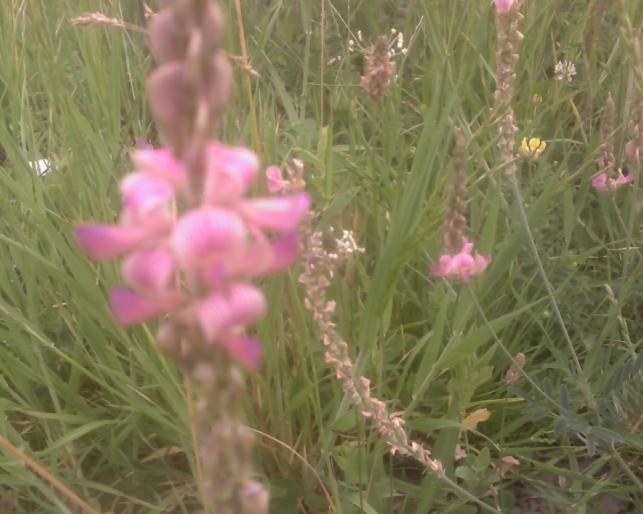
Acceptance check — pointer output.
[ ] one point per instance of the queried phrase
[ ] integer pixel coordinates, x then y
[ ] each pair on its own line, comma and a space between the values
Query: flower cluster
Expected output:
200, 264
503, 6
532, 148
509, 19
610, 177
295, 181
565, 70
458, 262
380, 69
605, 183
462, 265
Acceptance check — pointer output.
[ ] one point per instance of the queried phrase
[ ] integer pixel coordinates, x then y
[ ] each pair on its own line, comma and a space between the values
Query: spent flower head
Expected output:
565, 70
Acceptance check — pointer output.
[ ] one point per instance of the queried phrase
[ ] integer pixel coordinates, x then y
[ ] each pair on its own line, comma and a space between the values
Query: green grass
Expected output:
104, 412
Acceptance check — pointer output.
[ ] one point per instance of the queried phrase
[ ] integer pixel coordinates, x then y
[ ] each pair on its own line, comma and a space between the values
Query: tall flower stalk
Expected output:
459, 261
193, 242
508, 20
323, 257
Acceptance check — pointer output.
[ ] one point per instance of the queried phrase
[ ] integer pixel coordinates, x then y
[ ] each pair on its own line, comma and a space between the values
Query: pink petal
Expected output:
600, 182
503, 6
622, 180
255, 260
282, 214
143, 193
130, 308
263, 257
440, 270
207, 234
480, 263
285, 252
103, 242
149, 270
240, 306
246, 350
460, 261
276, 181
230, 171
159, 163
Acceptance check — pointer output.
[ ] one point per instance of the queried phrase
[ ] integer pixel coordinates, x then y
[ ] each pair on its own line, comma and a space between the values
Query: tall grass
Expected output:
101, 410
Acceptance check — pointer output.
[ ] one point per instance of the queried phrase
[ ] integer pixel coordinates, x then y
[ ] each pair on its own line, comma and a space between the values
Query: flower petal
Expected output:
238, 307
130, 308
143, 193
282, 214
159, 163
275, 179
285, 252
103, 242
600, 182
149, 270
230, 171
246, 350
207, 234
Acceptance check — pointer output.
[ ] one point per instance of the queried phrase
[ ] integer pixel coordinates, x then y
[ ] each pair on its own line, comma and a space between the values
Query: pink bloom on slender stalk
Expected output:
462, 265
603, 183
503, 6
276, 182
217, 245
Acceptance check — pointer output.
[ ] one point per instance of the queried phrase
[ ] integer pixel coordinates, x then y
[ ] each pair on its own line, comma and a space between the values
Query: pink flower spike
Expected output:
149, 270
208, 234
282, 214
159, 163
503, 6
222, 313
603, 183
246, 350
143, 193
276, 181
462, 265
102, 242
130, 309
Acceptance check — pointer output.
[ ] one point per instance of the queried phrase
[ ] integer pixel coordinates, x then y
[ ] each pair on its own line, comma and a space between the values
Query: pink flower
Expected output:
216, 246
603, 183
462, 265
503, 6
276, 182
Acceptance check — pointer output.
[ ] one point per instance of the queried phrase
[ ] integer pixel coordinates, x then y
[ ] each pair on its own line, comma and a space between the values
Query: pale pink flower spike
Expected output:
463, 265
503, 6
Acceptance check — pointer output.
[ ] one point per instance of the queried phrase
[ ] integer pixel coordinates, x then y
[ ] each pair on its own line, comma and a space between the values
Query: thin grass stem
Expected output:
42, 472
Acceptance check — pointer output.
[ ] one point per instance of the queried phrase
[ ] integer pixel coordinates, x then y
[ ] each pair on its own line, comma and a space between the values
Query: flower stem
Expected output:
541, 269
44, 473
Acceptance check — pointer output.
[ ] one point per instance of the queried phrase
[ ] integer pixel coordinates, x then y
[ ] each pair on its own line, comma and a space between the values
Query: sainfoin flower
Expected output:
462, 265
215, 248
603, 182
503, 6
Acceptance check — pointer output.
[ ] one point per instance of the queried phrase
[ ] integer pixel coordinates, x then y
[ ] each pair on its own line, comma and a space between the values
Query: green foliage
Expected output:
103, 411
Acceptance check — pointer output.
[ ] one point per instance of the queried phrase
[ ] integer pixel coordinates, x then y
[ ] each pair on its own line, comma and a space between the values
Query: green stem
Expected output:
541, 269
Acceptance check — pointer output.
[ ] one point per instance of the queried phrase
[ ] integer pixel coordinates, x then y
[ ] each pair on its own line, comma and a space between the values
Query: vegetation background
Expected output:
100, 409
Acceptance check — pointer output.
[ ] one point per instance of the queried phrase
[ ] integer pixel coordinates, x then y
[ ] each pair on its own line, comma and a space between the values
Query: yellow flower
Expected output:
532, 147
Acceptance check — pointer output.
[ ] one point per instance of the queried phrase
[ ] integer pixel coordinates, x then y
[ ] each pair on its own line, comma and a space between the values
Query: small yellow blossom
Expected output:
532, 147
